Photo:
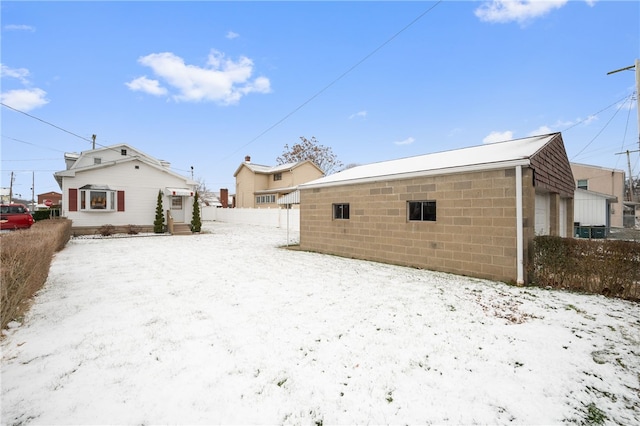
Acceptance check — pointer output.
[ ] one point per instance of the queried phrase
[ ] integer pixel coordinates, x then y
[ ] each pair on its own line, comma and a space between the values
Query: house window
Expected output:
341, 211
582, 184
176, 203
123, 152
97, 200
421, 211
277, 176
97, 160
265, 199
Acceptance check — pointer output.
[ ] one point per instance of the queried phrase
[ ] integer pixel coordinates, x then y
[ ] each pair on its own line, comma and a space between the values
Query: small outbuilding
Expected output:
471, 211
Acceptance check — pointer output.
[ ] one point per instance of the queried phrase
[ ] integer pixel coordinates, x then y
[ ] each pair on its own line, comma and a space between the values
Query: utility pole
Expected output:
33, 191
94, 141
630, 187
637, 67
11, 189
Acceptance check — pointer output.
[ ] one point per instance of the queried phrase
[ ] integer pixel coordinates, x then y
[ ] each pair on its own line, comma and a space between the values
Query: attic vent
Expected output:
97, 160
123, 151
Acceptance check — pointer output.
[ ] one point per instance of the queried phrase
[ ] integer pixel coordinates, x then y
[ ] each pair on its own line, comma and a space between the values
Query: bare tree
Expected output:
201, 186
350, 166
310, 149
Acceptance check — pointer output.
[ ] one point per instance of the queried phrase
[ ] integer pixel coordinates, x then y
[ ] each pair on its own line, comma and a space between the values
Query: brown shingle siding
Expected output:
552, 168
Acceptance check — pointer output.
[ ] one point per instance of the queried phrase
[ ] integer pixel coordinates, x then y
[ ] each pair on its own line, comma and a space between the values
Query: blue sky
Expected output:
204, 83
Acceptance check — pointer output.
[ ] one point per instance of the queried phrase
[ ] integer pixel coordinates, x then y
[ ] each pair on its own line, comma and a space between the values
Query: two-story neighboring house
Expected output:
599, 195
259, 186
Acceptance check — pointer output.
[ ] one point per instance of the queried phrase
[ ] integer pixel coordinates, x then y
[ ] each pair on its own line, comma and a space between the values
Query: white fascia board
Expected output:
422, 173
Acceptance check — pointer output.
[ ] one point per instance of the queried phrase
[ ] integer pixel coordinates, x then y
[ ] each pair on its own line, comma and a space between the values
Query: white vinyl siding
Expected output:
141, 191
589, 209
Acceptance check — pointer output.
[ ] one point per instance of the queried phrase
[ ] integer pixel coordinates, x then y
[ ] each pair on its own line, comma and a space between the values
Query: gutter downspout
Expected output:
519, 231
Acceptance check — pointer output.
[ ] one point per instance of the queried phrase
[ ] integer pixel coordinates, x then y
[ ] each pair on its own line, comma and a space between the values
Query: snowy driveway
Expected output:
227, 328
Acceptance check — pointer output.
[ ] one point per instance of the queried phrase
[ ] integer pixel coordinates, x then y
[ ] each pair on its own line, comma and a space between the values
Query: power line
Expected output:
30, 143
52, 125
30, 159
59, 128
44, 121
340, 77
593, 115
604, 127
318, 93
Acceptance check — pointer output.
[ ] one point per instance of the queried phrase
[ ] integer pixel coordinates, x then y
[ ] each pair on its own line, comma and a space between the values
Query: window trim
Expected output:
585, 183
425, 215
266, 199
339, 211
97, 200
174, 202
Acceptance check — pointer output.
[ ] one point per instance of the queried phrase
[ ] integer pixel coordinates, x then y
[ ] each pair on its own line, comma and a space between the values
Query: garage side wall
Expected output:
474, 232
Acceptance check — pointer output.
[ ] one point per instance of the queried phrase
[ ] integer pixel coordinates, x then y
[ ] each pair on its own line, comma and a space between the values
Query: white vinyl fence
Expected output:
279, 218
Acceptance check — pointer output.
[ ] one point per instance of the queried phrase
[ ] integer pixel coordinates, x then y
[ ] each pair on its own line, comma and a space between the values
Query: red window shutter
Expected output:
120, 201
73, 200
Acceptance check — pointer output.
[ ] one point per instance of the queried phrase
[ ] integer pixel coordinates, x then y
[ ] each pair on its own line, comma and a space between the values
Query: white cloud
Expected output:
407, 141
521, 11
22, 99
25, 99
231, 35
498, 137
13, 27
561, 125
19, 73
221, 80
359, 114
542, 130
143, 84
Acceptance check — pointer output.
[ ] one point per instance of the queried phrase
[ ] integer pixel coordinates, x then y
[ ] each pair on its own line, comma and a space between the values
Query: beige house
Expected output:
471, 211
603, 181
259, 186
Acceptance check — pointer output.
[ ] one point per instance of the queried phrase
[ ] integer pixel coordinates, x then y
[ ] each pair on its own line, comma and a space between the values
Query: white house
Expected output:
118, 185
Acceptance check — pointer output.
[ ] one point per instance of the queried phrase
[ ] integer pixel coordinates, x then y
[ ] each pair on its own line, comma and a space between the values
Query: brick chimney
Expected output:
224, 197
247, 159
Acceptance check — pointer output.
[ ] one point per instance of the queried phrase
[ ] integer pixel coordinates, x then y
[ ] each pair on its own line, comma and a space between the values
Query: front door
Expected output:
177, 208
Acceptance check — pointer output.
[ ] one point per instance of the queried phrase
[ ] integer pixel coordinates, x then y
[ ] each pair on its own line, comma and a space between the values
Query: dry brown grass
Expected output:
25, 259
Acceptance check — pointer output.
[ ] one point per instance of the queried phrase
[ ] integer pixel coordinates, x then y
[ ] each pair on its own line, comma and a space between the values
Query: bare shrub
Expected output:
107, 230
25, 259
133, 229
608, 267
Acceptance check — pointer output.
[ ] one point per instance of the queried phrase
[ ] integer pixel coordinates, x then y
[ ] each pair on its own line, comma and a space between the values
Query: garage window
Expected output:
421, 211
341, 211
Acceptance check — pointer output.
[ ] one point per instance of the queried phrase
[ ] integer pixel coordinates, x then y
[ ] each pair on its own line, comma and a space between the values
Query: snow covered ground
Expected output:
226, 328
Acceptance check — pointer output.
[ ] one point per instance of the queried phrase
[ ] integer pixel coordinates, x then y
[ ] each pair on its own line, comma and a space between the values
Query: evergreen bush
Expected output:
196, 223
158, 223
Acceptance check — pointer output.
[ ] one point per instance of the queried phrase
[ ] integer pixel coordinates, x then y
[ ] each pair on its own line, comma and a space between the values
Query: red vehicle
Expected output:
15, 216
